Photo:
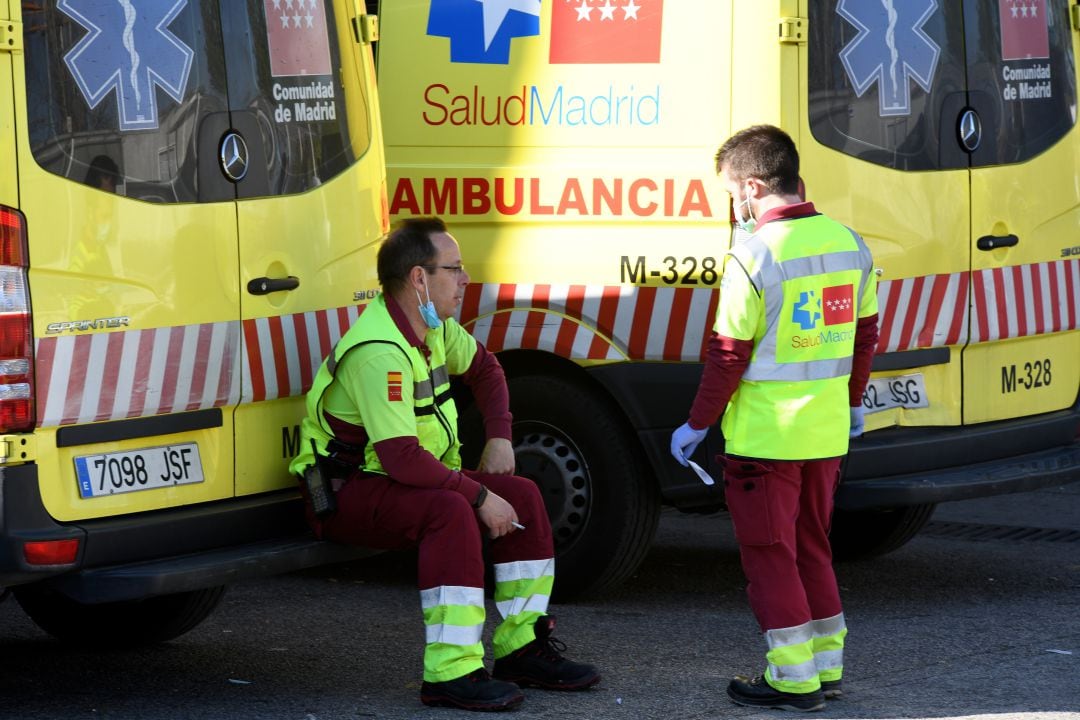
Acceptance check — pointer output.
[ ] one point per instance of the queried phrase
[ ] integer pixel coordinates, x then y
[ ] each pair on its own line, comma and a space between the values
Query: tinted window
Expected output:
286, 94
135, 97
886, 80
123, 116
889, 80
1022, 76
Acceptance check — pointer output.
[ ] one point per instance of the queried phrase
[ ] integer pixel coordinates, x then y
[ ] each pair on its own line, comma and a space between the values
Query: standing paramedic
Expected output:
382, 422
786, 366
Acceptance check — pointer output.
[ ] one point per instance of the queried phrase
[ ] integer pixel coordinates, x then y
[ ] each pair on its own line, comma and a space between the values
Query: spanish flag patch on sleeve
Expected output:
393, 386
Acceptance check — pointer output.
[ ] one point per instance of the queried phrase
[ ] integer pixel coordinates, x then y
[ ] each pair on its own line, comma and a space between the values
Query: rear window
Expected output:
135, 98
888, 81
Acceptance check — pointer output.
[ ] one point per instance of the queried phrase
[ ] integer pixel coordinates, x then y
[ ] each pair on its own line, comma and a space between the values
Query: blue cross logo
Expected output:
129, 49
891, 49
807, 311
480, 30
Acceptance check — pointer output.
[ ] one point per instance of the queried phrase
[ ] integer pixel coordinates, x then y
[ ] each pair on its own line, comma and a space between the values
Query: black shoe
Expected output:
475, 691
539, 663
832, 689
758, 693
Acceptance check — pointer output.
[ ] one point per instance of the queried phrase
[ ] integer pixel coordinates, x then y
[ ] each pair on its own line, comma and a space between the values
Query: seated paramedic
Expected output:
381, 419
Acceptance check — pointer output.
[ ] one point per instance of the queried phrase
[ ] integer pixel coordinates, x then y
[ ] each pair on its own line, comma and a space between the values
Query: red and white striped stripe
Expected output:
591, 322
283, 353
137, 373
111, 376
1018, 301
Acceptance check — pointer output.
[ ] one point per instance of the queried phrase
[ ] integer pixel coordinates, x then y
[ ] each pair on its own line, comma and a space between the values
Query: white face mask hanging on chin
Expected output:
746, 223
427, 310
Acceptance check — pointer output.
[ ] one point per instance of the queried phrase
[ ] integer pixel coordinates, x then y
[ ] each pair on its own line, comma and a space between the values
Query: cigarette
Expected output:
518, 525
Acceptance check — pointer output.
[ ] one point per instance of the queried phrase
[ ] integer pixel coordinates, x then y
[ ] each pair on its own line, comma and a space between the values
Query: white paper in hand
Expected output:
705, 477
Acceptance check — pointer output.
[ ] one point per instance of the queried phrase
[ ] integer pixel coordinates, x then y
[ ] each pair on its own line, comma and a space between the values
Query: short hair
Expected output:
763, 152
407, 245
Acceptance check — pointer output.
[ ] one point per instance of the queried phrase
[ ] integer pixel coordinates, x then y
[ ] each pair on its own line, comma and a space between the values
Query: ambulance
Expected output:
570, 146
191, 196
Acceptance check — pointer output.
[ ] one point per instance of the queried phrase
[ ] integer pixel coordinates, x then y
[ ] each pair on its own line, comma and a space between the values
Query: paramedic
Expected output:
384, 426
786, 366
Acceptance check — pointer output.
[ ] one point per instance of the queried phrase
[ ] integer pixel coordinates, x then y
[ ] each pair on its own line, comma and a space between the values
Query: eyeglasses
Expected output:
456, 269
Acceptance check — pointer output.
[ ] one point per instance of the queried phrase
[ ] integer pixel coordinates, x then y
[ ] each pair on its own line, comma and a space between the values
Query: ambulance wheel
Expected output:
603, 505
128, 623
857, 535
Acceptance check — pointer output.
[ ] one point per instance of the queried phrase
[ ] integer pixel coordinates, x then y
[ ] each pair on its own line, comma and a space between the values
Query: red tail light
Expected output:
51, 552
16, 335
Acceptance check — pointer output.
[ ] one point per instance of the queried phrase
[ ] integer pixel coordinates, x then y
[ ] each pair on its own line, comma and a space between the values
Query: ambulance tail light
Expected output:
16, 346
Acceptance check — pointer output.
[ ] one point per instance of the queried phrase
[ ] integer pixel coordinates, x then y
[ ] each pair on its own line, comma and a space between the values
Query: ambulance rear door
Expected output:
132, 253
1023, 355
310, 208
885, 87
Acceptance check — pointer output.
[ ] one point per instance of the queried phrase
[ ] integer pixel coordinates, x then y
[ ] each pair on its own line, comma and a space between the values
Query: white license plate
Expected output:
906, 391
134, 470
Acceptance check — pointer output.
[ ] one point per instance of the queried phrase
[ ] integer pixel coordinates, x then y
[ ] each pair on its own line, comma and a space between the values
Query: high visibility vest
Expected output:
436, 413
811, 275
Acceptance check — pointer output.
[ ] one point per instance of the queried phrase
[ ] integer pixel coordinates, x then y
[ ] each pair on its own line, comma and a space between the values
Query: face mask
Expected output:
427, 310
746, 224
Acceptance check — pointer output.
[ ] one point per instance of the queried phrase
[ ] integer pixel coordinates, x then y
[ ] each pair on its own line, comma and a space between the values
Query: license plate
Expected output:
134, 470
906, 391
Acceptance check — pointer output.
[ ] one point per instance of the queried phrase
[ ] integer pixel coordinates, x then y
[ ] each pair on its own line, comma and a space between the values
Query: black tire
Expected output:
857, 535
129, 623
585, 458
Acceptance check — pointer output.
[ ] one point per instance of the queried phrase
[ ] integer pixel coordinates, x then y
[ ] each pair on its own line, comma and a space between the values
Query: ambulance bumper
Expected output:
915, 466
161, 552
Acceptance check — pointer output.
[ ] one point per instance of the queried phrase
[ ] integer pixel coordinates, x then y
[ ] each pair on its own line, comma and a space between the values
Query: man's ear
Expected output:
416, 277
757, 188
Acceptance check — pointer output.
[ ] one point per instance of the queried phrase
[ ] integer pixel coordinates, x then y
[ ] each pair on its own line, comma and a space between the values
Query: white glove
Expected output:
684, 442
857, 424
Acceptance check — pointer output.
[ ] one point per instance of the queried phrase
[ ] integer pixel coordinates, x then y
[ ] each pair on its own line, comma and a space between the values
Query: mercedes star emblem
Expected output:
234, 156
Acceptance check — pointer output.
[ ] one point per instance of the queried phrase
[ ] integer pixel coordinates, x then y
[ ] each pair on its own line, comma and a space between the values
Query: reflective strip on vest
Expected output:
768, 277
790, 658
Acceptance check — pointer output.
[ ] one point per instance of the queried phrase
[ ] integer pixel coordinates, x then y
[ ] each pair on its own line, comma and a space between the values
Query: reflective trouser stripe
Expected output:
454, 622
522, 592
829, 637
790, 658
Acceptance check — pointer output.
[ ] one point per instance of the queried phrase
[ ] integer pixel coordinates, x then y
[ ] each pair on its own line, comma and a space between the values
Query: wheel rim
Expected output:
550, 459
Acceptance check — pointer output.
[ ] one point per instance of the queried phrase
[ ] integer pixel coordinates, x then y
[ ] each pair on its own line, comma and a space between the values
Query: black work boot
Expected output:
475, 691
758, 693
832, 688
539, 663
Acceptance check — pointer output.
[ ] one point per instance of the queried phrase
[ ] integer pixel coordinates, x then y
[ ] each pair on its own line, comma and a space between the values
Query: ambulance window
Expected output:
117, 114
1022, 76
886, 80
287, 92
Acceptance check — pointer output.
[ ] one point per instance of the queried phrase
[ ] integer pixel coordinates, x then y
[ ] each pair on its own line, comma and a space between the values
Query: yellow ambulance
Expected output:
191, 195
570, 145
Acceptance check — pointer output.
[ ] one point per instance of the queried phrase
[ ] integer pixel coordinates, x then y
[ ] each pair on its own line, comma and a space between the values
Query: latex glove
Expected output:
684, 442
857, 424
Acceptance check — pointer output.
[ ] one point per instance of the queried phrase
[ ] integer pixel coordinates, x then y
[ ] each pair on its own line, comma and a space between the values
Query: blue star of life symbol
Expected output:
480, 30
130, 49
891, 49
807, 310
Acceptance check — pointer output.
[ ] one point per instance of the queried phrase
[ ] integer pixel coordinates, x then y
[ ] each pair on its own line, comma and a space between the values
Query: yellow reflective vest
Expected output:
392, 391
796, 288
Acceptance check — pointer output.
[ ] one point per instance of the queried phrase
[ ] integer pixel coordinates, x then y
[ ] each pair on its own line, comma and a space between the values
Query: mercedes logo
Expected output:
970, 130
234, 156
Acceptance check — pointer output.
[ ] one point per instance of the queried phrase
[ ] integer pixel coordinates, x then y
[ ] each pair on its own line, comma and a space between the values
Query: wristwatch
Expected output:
480, 497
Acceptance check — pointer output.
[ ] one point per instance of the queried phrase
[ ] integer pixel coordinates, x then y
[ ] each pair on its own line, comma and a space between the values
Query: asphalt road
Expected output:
949, 626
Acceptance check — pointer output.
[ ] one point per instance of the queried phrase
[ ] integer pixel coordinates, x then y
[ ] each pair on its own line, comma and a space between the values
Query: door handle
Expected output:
993, 242
265, 285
